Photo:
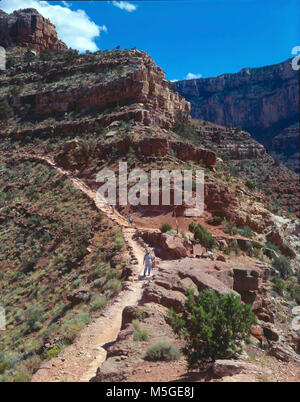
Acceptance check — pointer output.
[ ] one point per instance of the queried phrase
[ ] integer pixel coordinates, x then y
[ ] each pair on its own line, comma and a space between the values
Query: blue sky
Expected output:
195, 37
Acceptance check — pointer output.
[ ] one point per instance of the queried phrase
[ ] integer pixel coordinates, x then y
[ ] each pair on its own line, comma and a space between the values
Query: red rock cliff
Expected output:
263, 101
30, 29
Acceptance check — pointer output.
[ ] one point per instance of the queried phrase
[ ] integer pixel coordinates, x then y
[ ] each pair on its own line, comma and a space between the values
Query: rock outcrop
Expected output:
166, 246
28, 28
285, 146
127, 82
249, 157
263, 101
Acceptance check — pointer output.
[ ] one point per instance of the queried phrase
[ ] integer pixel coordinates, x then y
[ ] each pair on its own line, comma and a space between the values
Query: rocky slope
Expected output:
248, 158
268, 358
28, 28
263, 101
63, 118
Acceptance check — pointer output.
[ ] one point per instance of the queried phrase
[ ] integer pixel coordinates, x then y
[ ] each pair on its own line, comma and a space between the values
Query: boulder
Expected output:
79, 296
270, 333
166, 246
265, 317
110, 370
120, 258
257, 333
285, 234
131, 313
159, 295
245, 280
282, 352
183, 285
224, 368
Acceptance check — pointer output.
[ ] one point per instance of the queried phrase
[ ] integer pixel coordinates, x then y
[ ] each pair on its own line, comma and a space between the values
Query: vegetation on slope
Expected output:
46, 228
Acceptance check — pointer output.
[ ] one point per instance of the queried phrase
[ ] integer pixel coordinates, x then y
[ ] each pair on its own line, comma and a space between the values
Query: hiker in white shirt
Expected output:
148, 262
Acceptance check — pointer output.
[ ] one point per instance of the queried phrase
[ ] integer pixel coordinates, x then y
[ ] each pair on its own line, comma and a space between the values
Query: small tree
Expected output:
165, 227
278, 285
213, 327
205, 238
283, 265
192, 227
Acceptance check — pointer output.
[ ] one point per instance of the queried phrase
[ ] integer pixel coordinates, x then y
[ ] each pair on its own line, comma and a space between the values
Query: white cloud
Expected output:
124, 5
191, 76
173, 80
75, 28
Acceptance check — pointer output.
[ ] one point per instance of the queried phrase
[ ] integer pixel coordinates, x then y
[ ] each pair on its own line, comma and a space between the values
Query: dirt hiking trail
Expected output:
79, 361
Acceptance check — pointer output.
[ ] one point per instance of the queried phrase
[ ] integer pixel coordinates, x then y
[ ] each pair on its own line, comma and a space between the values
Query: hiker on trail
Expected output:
130, 220
148, 262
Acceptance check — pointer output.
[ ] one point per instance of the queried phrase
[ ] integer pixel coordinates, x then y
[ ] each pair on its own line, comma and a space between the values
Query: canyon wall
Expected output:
263, 101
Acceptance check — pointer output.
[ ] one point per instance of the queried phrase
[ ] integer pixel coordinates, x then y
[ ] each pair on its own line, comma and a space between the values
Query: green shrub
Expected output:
213, 327
113, 286
234, 248
217, 220
205, 238
77, 283
72, 327
246, 232
283, 265
52, 353
273, 246
4, 365
163, 351
170, 232
22, 377
98, 304
140, 335
165, 227
295, 293
118, 244
250, 185
231, 228
279, 285
184, 129
192, 227
97, 283
34, 316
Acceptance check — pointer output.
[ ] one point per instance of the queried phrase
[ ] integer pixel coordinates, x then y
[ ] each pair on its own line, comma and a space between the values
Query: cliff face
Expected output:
128, 83
285, 146
263, 101
249, 158
28, 28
